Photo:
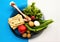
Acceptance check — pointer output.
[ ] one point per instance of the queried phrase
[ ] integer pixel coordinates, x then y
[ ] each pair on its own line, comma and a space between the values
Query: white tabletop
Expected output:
51, 10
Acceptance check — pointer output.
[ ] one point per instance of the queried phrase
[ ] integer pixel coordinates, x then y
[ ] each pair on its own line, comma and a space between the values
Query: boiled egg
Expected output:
36, 23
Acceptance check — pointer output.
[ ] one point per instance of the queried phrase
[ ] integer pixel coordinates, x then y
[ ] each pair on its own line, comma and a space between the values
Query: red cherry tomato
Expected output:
22, 29
32, 17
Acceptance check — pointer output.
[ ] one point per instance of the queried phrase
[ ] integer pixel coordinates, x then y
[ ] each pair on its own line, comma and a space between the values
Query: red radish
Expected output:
22, 29
32, 17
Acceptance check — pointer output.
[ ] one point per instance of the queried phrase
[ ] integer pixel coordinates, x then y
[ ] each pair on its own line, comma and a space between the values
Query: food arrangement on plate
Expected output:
29, 21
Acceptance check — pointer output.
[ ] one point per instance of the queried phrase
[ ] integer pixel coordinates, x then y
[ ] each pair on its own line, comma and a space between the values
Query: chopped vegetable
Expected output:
31, 23
22, 29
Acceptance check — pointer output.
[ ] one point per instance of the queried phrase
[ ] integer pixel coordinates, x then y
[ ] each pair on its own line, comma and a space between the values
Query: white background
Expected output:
51, 10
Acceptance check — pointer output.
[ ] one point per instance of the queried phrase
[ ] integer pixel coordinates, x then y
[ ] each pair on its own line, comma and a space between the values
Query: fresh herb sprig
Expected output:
33, 11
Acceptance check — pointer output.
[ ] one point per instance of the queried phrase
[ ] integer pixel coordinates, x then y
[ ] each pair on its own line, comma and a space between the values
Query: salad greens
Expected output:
33, 11
38, 28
